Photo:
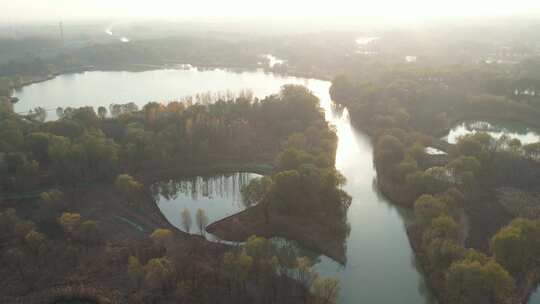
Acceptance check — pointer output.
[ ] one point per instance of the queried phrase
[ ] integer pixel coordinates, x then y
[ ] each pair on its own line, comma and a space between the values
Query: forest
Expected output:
472, 246
79, 213
46, 166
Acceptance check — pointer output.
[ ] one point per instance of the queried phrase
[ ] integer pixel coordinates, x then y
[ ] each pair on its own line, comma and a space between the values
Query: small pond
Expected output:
218, 195
514, 130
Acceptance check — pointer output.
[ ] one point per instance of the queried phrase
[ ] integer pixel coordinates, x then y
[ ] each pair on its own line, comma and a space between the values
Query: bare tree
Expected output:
185, 216
202, 221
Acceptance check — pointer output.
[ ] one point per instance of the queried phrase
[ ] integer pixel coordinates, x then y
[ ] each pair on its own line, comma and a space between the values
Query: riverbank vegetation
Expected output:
302, 200
463, 198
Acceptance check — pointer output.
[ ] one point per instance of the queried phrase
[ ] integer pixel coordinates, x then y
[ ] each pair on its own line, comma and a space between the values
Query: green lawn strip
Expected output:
133, 224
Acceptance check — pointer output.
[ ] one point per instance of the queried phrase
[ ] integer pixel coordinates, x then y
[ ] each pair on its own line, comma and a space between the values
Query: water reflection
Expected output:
381, 266
378, 269
513, 130
164, 85
218, 195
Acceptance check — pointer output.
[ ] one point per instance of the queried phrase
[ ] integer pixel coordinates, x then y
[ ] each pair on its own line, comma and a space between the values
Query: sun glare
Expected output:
337, 12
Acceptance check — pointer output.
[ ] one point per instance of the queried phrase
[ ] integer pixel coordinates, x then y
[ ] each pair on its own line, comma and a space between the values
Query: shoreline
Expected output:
270, 230
401, 196
238, 227
145, 67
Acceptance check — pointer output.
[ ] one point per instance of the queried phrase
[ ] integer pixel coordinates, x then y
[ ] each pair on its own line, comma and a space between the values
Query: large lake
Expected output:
380, 263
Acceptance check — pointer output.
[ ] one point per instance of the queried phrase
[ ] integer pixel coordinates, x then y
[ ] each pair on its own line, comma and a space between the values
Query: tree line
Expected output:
83, 146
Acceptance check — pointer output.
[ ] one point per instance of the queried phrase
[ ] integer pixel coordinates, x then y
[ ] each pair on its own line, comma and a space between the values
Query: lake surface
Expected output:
514, 130
380, 263
218, 195
104, 88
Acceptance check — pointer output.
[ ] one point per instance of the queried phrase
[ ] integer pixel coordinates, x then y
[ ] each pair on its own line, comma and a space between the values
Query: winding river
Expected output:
380, 263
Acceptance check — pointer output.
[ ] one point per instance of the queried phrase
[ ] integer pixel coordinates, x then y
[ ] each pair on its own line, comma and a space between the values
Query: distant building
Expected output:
411, 59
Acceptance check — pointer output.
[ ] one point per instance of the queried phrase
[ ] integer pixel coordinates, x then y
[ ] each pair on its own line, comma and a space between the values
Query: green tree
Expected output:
517, 245
443, 252
389, 151
102, 112
406, 167
427, 208
128, 186
472, 282
442, 227
89, 233
257, 190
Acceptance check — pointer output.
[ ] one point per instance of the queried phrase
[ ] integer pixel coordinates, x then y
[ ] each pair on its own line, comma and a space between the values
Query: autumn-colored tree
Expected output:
305, 275
128, 186
202, 221
52, 199
162, 237
135, 270
36, 242
185, 216
158, 272
69, 222
326, 290
257, 248
244, 263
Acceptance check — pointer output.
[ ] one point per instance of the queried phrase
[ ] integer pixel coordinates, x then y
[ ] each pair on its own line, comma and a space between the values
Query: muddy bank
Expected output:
310, 234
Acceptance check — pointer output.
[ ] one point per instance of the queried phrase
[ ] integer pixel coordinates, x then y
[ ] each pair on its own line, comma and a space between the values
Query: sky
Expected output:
328, 11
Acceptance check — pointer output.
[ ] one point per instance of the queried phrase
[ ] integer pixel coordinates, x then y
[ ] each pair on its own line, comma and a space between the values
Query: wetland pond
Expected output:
496, 129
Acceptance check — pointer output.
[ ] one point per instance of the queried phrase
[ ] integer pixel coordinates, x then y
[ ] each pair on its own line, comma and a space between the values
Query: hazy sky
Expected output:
329, 11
